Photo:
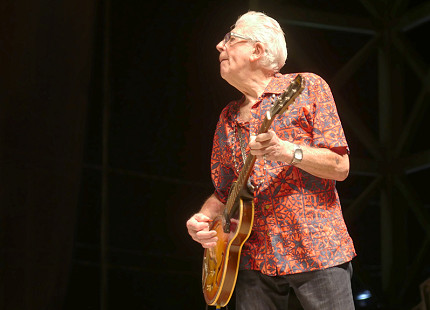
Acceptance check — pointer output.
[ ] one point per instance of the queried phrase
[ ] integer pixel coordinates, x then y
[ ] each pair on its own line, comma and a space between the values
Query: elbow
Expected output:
342, 168
342, 175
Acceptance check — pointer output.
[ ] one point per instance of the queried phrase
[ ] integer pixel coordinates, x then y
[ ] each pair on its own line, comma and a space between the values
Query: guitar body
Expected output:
221, 263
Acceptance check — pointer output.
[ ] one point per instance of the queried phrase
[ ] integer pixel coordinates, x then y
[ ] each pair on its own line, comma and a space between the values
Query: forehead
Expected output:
240, 25
236, 29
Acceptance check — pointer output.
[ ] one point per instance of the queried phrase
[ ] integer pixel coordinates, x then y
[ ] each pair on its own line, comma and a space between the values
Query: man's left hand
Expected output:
269, 146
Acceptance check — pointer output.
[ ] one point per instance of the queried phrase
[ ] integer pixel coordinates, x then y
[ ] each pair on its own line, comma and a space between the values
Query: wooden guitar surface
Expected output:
221, 263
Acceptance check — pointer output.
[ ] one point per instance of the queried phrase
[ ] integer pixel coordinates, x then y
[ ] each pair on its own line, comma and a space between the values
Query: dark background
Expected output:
107, 115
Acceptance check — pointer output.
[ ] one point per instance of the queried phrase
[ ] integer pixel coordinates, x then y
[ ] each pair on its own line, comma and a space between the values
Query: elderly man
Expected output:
299, 239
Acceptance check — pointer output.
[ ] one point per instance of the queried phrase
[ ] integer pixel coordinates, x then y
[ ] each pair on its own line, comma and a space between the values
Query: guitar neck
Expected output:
244, 174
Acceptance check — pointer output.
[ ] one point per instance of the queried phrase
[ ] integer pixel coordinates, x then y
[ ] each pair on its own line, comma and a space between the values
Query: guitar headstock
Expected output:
283, 102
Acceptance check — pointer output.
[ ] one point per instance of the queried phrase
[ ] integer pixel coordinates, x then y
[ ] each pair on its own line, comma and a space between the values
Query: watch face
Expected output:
298, 155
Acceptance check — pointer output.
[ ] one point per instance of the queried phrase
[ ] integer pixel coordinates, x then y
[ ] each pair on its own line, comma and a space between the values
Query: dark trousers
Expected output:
328, 289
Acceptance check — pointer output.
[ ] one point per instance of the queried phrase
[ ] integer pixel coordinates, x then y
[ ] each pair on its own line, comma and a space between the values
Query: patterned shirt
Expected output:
298, 221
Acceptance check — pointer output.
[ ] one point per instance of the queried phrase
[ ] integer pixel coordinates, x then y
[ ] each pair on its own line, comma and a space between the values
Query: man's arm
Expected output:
198, 224
320, 162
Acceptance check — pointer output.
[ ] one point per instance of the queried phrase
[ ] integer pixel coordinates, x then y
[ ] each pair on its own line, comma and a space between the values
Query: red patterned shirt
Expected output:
298, 223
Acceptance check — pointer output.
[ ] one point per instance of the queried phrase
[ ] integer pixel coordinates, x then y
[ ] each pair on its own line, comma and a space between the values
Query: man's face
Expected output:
234, 54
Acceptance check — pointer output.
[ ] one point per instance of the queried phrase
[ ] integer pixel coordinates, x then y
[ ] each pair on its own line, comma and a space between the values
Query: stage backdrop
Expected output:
46, 55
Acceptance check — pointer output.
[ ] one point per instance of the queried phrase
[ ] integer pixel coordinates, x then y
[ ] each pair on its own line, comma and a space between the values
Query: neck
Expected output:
252, 88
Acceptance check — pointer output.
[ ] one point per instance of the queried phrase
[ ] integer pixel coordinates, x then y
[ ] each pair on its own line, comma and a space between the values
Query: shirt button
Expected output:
267, 206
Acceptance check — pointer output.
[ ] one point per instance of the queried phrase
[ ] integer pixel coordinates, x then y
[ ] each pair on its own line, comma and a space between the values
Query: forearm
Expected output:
321, 162
212, 207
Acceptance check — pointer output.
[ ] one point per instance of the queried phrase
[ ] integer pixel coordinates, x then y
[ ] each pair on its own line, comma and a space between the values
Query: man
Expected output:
299, 239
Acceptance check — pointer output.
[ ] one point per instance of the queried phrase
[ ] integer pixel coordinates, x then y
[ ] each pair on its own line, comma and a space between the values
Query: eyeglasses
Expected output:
228, 36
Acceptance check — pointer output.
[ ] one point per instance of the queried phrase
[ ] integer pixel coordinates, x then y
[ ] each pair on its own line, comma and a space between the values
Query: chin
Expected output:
223, 74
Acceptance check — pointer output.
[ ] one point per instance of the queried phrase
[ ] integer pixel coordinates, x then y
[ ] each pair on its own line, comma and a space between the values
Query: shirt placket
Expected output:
258, 179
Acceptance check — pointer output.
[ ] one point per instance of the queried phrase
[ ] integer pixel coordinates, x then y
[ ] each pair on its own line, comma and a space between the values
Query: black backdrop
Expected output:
165, 95
46, 49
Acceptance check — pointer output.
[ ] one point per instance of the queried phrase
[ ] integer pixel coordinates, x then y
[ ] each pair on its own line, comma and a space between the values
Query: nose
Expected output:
220, 46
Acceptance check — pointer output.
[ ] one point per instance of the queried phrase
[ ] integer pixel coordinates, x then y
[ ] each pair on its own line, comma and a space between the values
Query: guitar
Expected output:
234, 225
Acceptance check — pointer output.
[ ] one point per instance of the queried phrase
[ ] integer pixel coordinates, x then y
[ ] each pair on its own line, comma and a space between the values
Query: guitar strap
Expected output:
241, 142
247, 193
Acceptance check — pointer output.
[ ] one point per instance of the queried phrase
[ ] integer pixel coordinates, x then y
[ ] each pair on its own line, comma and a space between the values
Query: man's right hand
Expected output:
198, 228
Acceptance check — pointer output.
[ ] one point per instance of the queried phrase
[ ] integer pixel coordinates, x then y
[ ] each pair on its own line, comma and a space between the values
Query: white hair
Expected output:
267, 30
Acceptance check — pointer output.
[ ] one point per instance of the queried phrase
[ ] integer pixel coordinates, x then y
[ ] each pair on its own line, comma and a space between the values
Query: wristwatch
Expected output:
298, 155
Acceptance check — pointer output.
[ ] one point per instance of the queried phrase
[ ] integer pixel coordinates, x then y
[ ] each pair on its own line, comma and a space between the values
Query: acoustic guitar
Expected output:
234, 225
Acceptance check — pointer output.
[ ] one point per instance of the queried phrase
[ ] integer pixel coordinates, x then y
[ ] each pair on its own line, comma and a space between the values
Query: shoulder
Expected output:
309, 77
315, 85
230, 110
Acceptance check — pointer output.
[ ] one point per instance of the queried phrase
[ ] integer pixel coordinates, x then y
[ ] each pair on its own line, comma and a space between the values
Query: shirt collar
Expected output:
274, 85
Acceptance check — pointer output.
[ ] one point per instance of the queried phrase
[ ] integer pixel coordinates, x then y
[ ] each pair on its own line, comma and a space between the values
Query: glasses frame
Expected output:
228, 36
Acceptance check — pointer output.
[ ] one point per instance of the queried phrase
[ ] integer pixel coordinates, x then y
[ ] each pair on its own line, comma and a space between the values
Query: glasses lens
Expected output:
227, 37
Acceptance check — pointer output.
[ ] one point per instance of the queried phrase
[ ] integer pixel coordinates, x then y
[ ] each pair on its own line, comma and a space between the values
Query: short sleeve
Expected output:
327, 130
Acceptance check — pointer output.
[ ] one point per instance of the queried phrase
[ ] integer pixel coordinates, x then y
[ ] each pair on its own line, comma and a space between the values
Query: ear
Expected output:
258, 52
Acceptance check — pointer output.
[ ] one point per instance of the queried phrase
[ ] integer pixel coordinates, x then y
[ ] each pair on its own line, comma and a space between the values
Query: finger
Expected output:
199, 220
259, 146
206, 238
253, 144
271, 132
208, 245
195, 227
257, 153
268, 138
200, 217
263, 137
